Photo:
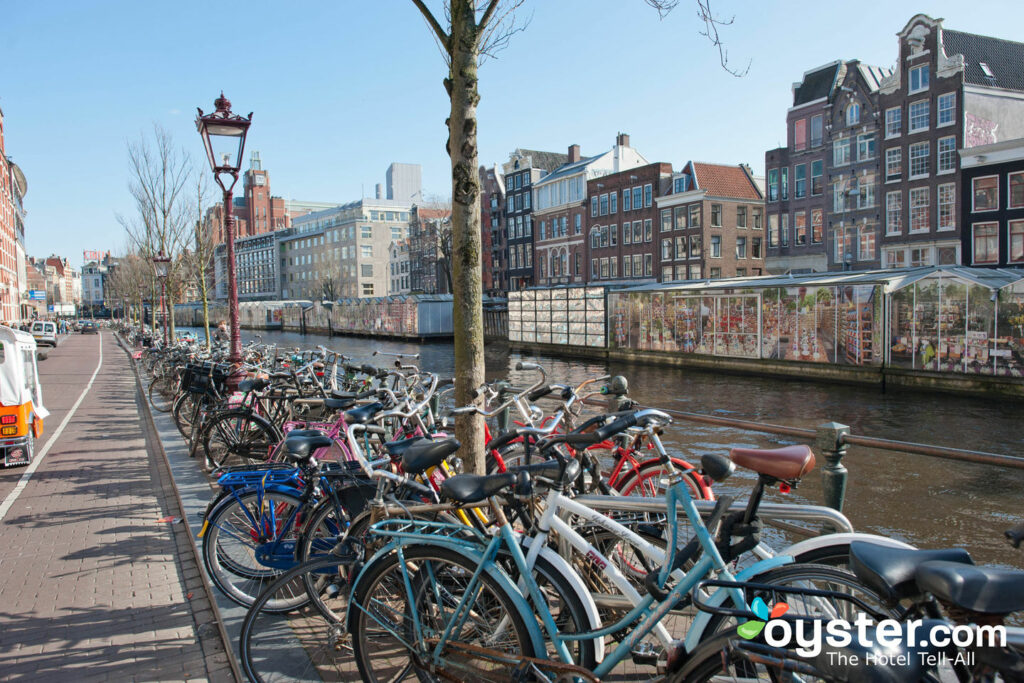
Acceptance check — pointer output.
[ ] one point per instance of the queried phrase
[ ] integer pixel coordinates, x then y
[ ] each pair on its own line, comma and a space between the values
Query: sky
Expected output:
340, 89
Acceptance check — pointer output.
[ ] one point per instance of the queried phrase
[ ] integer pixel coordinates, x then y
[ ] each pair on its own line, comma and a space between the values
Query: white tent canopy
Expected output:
19, 378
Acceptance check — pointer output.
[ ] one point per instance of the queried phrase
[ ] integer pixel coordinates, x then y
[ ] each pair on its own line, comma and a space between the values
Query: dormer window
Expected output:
853, 114
918, 79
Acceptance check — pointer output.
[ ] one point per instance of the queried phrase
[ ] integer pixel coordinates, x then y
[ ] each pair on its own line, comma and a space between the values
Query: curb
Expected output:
229, 650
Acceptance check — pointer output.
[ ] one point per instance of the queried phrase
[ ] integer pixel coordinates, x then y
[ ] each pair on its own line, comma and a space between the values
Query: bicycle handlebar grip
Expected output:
445, 382
368, 369
540, 392
524, 365
621, 424
502, 440
373, 429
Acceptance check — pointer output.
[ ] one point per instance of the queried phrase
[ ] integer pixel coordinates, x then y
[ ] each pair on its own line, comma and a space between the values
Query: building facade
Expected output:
12, 190
430, 245
398, 267
256, 267
524, 168
992, 213
493, 239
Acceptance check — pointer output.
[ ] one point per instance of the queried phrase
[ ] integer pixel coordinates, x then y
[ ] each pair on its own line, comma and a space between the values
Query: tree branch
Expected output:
711, 24
439, 33
488, 13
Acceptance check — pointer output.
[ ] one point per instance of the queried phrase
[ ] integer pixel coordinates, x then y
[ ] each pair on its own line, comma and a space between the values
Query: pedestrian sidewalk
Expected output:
95, 582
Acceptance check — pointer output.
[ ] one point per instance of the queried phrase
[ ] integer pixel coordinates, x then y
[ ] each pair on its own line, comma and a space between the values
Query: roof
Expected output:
873, 75
1005, 58
816, 84
547, 161
565, 170
442, 213
719, 180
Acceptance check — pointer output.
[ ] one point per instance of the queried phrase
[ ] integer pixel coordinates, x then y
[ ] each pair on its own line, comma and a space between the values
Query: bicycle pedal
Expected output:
645, 655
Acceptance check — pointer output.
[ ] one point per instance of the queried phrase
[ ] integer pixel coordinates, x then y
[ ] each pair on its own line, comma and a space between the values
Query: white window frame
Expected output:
711, 246
863, 138
910, 159
939, 204
889, 123
975, 209
927, 205
951, 154
924, 68
910, 116
853, 114
938, 110
839, 144
889, 177
974, 244
1009, 194
898, 195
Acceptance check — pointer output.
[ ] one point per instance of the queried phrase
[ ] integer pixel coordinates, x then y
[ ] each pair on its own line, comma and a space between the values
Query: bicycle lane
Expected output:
92, 584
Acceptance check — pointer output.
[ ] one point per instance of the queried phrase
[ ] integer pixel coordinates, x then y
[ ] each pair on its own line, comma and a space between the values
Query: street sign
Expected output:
50, 308
37, 294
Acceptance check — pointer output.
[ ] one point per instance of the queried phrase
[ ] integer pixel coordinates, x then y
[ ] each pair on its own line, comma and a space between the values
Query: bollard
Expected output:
830, 444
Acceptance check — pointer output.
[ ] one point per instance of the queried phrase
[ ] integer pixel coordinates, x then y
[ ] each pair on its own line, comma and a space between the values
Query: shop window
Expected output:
986, 193
1016, 241
986, 243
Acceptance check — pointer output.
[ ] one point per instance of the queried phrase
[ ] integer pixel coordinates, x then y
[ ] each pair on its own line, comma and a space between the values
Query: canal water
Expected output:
923, 500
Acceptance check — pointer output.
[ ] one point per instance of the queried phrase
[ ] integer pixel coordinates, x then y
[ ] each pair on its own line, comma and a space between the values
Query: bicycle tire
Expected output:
252, 442
186, 413
234, 567
161, 395
637, 482
366, 645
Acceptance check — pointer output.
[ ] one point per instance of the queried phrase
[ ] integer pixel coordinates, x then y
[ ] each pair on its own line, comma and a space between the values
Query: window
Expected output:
986, 242
543, 230
816, 130
920, 257
648, 195
946, 109
627, 266
867, 243
773, 230
895, 259
800, 181
638, 231
1016, 198
918, 79
715, 273
648, 230
613, 267
368, 289
366, 270
682, 245
919, 160
696, 247
785, 183
757, 217
648, 265
893, 122
773, 185
627, 233
638, 265
680, 217
666, 249
604, 235
529, 224
366, 251
800, 135
666, 272
593, 268
838, 197
919, 116
694, 272
593, 207
666, 220
947, 202
853, 114
625, 200
716, 215
638, 198
947, 155
986, 193
613, 202
613, 235
741, 272
893, 213
893, 164
604, 268
595, 238
741, 247
511, 204
841, 152
577, 262
784, 230
755, 248
695, 216
526, 200
1016, 231
866, 197
817, 185
920, 218
604, 204
800, 227
866, 147
741, 216
577, 224
816, 226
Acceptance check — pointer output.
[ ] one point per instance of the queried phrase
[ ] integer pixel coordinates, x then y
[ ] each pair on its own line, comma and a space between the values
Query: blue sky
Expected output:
342, 88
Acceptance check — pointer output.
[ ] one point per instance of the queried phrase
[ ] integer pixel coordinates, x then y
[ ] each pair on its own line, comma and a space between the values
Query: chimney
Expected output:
574, 153
380, 191
622, 140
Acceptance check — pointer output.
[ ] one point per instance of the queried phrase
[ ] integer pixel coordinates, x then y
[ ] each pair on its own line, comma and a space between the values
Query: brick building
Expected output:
493, 240
256, 212
992, 185
621, 218
430, 238
11, 192
560, 211
711, 224
522, 171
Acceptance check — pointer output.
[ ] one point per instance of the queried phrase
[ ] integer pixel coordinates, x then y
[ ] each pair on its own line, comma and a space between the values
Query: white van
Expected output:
44, 332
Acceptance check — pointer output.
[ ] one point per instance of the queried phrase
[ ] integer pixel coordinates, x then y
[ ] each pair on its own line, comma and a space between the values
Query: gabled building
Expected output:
430, 244
493, 240
524, 168
560, 211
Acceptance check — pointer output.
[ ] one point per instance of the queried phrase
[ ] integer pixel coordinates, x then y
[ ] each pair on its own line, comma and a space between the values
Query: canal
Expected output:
923, 500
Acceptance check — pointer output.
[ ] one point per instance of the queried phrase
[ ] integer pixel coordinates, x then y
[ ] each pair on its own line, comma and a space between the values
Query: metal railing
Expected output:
832, 440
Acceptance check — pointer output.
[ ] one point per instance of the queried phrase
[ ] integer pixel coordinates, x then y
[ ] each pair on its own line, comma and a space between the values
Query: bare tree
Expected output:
199, 258
160, 176
473, 31
331, 276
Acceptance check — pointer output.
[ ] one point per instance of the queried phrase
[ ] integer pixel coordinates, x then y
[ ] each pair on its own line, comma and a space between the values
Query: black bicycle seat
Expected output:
363, 414
424, 454
988, 590
300, 444
472, 488
890, 571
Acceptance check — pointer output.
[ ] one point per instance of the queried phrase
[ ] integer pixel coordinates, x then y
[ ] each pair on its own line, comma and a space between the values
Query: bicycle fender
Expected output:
830, 540
495, 572
578, 587
695, 634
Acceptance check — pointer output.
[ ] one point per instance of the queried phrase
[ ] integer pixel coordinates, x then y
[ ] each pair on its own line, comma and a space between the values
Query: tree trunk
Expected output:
467, 312
206, 309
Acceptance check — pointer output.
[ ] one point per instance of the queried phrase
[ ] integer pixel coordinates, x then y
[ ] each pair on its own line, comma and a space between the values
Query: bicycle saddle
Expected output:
890, 571
791, 462
398, 448
472, 488
336, 403
363, 414
300, 444
424, 454
894, 664
988, 590
254, 384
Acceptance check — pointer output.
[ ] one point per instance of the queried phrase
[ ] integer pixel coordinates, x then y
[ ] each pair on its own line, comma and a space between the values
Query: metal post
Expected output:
229, 235
830, 443
163, 307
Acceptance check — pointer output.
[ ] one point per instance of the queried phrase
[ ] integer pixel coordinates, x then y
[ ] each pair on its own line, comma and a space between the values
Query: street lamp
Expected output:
161, 264
224, 138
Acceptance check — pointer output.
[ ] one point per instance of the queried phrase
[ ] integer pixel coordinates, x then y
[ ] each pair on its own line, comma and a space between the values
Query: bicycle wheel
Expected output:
651, 478
303, 645
381, 621
186, 413
161, 394
237, 437
241, 551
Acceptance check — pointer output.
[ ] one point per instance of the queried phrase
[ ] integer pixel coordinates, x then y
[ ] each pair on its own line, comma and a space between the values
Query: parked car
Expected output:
89, 327
45, 332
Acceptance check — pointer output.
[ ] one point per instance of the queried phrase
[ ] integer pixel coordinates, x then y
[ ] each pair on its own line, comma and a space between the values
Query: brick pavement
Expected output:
92, 587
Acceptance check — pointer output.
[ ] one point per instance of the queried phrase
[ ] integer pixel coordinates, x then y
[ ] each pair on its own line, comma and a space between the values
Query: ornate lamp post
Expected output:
162, 264
224, 137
